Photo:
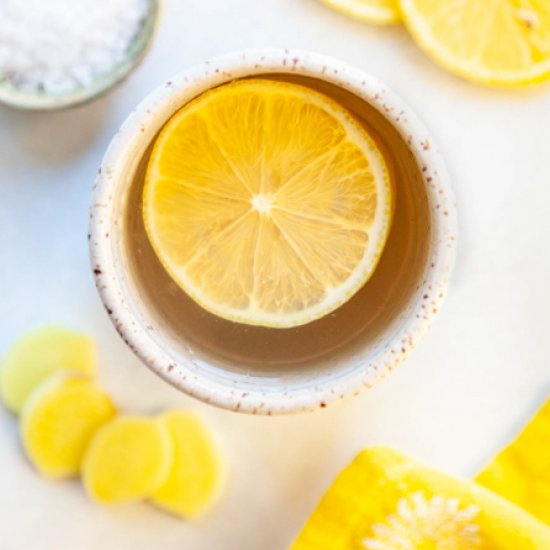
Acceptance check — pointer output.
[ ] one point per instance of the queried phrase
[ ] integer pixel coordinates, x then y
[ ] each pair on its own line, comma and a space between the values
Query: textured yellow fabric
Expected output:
386, 501
521, 472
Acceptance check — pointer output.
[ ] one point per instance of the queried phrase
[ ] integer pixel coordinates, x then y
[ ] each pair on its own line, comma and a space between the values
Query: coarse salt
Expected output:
57, 46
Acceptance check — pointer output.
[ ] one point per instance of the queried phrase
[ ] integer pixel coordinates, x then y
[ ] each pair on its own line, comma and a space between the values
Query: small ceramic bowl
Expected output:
403, 296
41, 101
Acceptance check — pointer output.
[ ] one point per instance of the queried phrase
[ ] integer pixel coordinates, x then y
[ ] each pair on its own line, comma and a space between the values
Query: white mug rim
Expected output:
232, 392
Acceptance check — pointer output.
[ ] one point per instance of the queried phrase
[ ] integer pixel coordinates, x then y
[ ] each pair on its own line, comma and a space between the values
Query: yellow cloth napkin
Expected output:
386, 501
521, 472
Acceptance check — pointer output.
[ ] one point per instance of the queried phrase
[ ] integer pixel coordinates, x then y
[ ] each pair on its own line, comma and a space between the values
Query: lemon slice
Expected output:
504, 43
381, 12
267, 202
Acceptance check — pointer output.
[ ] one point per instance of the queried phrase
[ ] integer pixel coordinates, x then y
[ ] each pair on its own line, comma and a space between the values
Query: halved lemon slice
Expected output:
267, 202
380, 12
503, 42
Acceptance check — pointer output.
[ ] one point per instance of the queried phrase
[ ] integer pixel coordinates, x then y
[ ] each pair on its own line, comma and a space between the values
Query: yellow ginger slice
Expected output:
59, 419
128, 459
196, 475
37, 355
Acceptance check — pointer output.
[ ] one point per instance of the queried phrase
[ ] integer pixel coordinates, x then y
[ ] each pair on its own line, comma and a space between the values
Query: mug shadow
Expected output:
53, 138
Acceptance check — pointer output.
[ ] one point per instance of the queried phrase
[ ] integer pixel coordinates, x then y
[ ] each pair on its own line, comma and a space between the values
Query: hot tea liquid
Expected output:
356, 324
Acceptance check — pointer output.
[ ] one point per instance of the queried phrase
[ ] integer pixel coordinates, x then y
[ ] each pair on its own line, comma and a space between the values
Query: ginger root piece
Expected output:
195, 477
37, 355
128, 459
58, 420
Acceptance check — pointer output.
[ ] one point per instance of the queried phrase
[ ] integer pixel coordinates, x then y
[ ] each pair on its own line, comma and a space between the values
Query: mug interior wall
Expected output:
359, 328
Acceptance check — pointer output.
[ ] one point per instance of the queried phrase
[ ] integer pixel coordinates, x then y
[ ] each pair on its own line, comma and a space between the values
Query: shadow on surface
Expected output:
55, 137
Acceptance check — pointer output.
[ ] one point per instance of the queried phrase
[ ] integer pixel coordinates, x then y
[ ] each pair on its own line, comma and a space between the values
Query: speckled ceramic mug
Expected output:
401, 299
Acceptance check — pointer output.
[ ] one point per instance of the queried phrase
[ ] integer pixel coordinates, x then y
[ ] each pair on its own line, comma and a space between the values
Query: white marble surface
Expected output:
482, 370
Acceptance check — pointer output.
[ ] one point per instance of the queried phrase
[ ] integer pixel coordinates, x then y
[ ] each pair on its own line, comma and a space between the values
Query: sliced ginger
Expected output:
58, 420
128, 459
195, 477
68, 426
37, 355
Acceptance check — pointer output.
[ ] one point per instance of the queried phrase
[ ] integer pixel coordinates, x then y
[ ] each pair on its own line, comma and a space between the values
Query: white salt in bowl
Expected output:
19, 98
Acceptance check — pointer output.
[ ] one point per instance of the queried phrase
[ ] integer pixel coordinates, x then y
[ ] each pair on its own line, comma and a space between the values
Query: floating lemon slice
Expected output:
267, 202
380, 12
504, 43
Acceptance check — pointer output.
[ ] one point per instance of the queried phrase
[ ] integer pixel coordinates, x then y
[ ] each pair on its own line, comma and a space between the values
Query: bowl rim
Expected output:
11, 96
235, 391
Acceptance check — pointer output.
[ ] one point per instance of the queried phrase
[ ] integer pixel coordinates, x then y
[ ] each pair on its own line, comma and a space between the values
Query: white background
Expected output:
476, 378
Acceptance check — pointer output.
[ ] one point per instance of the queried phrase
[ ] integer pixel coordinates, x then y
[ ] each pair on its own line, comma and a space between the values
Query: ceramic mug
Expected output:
399, 301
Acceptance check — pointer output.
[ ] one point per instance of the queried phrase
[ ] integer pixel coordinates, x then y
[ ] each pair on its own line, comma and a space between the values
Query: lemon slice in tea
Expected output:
267, 202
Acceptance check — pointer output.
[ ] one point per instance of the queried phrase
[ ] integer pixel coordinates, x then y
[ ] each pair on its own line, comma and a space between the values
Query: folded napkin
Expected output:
521, 472
386, 501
